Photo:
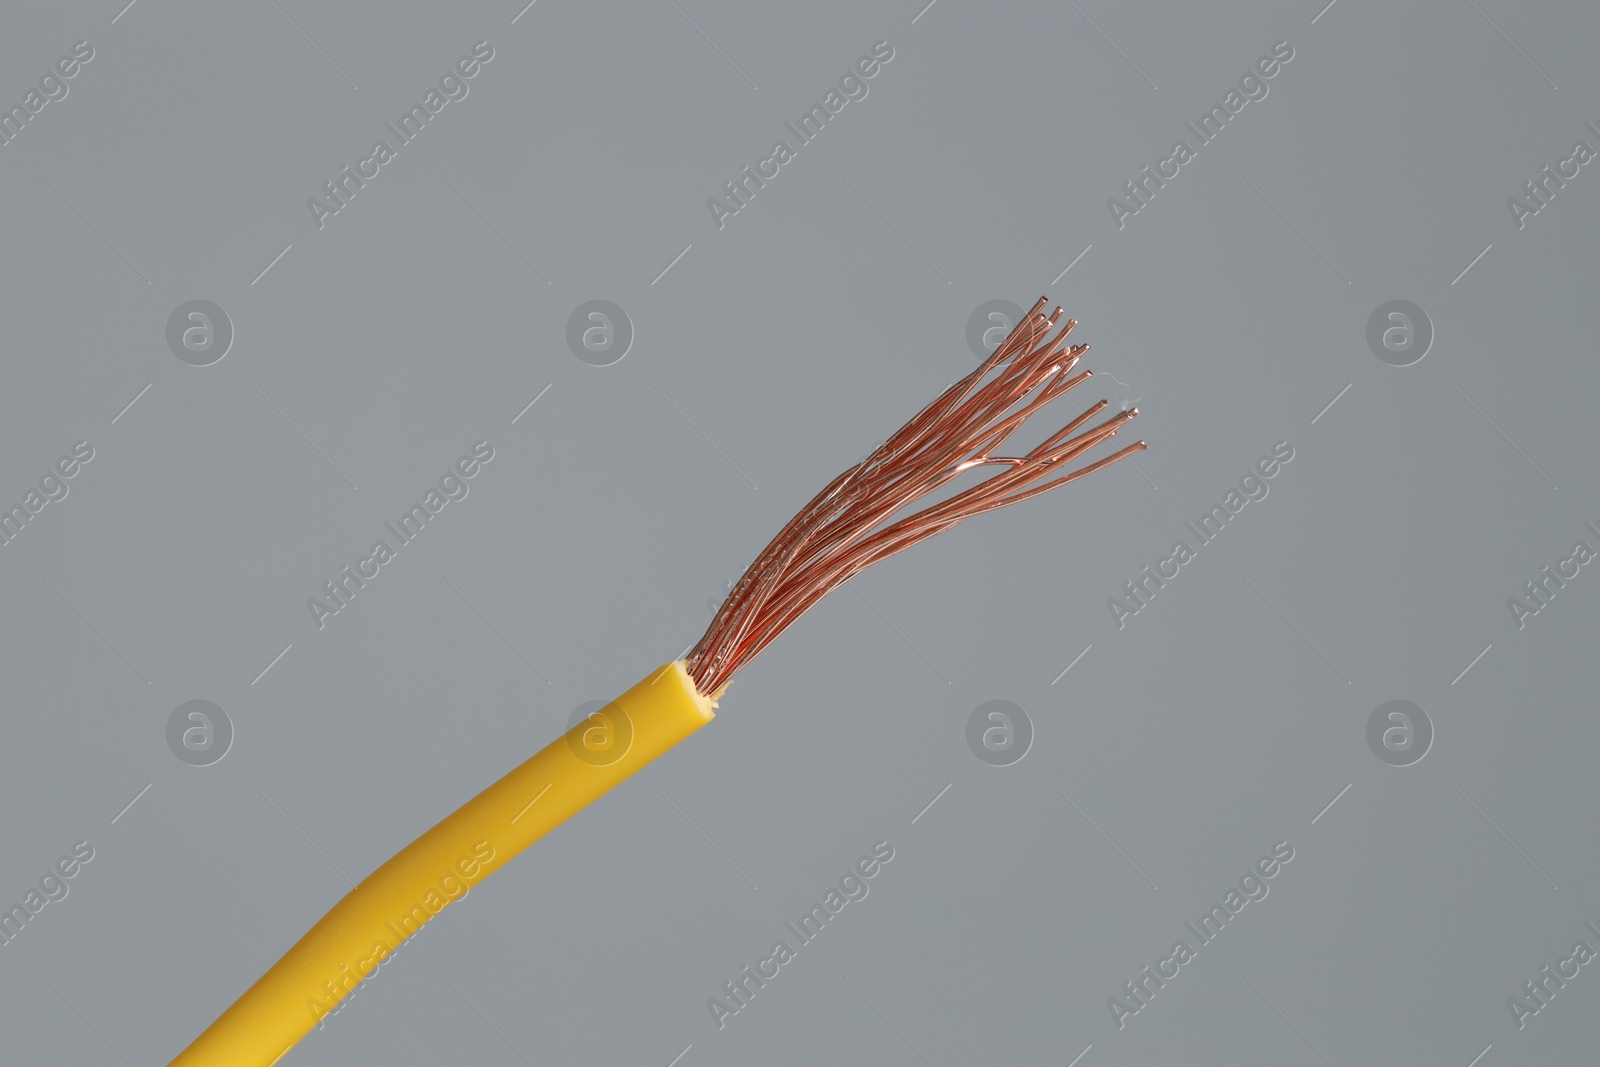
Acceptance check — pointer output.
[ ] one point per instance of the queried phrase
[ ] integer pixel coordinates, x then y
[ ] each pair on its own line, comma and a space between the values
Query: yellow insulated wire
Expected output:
844, 529
480, 837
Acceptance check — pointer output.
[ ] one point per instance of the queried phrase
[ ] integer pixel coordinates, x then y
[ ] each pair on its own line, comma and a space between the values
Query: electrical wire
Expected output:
845, 528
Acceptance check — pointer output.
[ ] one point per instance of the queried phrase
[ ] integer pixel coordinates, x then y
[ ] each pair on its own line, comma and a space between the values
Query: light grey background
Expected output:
1222, 719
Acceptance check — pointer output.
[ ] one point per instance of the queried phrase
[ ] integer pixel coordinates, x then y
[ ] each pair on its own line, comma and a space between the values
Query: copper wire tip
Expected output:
858, 518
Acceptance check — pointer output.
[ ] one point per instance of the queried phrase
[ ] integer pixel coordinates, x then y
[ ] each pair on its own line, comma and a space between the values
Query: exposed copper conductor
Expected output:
847, 527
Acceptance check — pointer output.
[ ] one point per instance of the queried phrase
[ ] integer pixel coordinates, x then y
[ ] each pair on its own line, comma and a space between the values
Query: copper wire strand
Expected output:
851, 523
813, 523
741, 604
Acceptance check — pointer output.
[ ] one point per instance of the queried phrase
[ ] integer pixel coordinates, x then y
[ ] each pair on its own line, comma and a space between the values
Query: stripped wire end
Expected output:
851, 524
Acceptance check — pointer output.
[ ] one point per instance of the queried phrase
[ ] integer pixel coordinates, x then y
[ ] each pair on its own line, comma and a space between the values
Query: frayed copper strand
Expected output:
847, 527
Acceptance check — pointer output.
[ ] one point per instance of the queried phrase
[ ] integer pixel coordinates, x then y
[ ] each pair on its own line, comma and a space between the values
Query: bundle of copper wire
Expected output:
851, 524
